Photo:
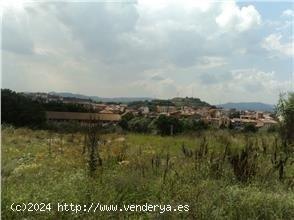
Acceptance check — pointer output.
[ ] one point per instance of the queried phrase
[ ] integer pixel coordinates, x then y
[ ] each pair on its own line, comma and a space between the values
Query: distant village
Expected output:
113, 112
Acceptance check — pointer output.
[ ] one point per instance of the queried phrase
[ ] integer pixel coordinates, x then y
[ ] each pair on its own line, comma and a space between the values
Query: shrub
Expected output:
285, 111
244, 163
139, 124
250, 128
125, 119
93, 141
168, 125
198, 125
273, 128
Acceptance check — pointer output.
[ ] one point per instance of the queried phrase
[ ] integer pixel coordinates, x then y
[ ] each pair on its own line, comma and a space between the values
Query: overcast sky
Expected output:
217, 51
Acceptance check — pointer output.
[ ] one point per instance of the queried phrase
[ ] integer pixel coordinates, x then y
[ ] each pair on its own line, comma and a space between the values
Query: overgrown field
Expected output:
220, 175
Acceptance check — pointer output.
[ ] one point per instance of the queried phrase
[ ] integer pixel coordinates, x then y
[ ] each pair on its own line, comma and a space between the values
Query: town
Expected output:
180, 108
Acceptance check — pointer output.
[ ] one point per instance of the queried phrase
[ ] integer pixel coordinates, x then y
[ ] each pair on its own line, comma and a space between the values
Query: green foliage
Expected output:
178, 102
142, 168
244, 162
150, 104
168, 125
125, 120
92, 143
273, 128
198, 125
190, 124
163, 124
250, 128
189, 101
285, 110
19, 110
65, 107
139, 124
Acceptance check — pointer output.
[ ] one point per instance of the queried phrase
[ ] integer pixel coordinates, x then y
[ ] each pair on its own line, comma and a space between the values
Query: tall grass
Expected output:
219, 174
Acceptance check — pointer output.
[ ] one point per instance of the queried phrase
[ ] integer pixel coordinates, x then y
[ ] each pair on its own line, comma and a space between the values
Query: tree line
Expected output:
20, 110
163, 125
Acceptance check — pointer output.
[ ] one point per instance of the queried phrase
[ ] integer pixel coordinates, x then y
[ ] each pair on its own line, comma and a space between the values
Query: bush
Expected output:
193, 125
250, 128
199, 125
285, 111
125, 119
139, 124
168, 125
273, 128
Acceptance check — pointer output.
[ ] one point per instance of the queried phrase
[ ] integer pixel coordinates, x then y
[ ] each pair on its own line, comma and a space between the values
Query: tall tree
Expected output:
285, 111
18, 110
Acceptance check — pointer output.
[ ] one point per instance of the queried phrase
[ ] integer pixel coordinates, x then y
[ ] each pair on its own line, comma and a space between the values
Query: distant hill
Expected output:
192, 102
101, 99
255, 106
177, 102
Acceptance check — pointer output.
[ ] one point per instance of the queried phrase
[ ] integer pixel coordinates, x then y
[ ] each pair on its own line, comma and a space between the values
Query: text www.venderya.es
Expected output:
98, 207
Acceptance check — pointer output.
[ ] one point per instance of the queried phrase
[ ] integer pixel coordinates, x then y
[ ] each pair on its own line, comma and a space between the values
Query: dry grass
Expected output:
217, 173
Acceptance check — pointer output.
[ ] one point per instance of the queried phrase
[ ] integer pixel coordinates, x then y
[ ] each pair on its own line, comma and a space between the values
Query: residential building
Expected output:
165, 109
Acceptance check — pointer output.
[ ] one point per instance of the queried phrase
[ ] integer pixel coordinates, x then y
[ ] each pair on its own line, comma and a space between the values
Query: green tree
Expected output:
168, 125
19, 110
250, 128
199, 125
139, 124
191, 124
285, 112
125, 120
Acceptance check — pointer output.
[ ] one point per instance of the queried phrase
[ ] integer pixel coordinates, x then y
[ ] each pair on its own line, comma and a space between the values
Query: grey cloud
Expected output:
157, 78
184, 47
215, 78
112, 32
253, 86
16, 35
99, 26
208, 79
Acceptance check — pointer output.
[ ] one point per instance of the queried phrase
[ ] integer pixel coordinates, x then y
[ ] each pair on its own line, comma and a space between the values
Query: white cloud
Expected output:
239, 84
232, 17
244, 84
157, 5
273, 43
208, 62
288, 13
162, 88
258, 82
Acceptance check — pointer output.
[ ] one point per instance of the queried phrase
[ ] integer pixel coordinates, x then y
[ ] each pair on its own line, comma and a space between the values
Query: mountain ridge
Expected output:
101, 99
255, 106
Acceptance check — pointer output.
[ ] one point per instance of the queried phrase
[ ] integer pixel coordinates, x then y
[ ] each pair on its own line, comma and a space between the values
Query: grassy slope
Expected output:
30, 174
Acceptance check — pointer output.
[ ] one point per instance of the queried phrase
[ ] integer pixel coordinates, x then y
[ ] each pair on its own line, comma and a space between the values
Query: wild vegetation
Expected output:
219, 174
